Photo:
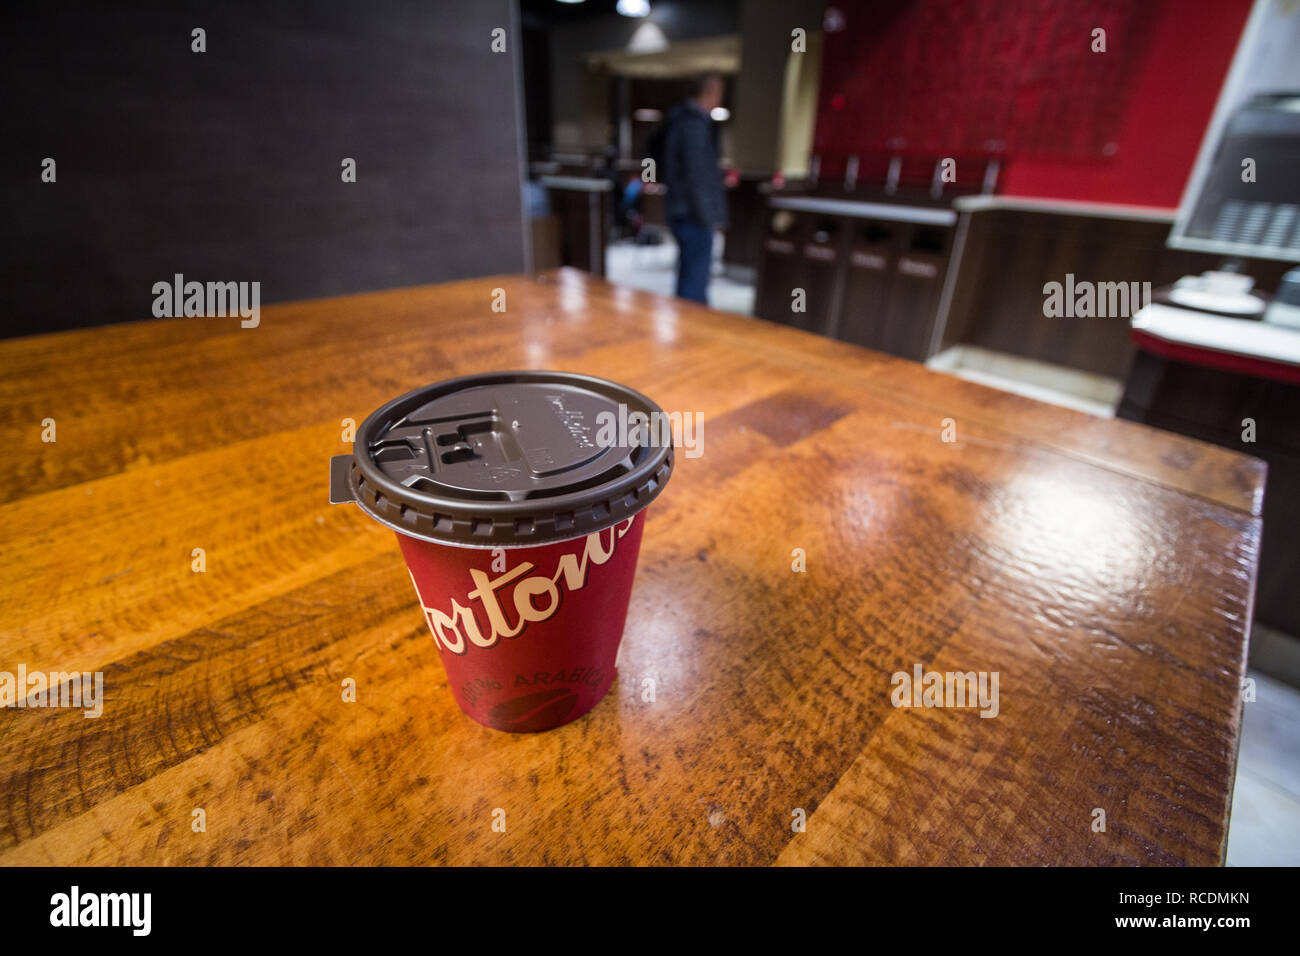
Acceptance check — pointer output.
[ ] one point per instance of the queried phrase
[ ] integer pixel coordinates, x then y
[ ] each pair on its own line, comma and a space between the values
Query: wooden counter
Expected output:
1104, 570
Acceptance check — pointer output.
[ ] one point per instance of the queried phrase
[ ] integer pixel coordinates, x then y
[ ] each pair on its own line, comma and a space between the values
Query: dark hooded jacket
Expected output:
691, 173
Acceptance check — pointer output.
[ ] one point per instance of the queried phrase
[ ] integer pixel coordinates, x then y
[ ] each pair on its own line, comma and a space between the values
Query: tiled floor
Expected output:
1264, 829
654, 268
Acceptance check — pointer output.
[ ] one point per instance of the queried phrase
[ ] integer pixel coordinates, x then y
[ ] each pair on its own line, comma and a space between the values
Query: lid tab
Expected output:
340, 491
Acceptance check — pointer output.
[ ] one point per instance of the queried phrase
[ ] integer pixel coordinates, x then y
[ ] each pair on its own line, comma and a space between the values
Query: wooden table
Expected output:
1104, 570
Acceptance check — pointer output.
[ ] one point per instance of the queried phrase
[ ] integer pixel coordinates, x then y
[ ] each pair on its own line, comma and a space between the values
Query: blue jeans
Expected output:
694, 259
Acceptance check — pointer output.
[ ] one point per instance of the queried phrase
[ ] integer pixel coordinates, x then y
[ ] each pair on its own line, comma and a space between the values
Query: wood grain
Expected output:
1103, 569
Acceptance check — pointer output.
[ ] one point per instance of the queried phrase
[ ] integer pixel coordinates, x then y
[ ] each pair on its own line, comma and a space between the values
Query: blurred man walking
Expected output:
696, 204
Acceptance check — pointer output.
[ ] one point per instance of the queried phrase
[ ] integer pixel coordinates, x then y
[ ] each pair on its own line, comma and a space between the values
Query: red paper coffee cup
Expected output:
518, 501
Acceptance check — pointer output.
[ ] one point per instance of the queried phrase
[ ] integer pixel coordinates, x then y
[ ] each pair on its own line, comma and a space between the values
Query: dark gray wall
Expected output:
225, 165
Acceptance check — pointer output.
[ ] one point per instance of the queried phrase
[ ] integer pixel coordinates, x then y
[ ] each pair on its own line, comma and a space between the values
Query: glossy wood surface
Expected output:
1105, 571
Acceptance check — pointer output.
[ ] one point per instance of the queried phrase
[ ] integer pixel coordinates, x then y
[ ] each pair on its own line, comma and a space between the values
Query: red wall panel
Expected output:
1018, 79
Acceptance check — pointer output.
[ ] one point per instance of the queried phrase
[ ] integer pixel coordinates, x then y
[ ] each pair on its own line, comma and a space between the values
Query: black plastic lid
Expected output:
504, 459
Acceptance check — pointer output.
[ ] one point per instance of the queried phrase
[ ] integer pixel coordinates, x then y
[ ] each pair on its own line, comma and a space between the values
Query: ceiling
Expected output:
681, 59
539, 14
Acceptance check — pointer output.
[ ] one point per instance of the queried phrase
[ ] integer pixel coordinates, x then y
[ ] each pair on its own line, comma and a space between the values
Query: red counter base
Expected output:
1212, 358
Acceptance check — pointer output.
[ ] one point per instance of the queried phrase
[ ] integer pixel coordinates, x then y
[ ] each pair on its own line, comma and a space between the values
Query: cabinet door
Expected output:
821, 263
779, 265
872, 259
914, 292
